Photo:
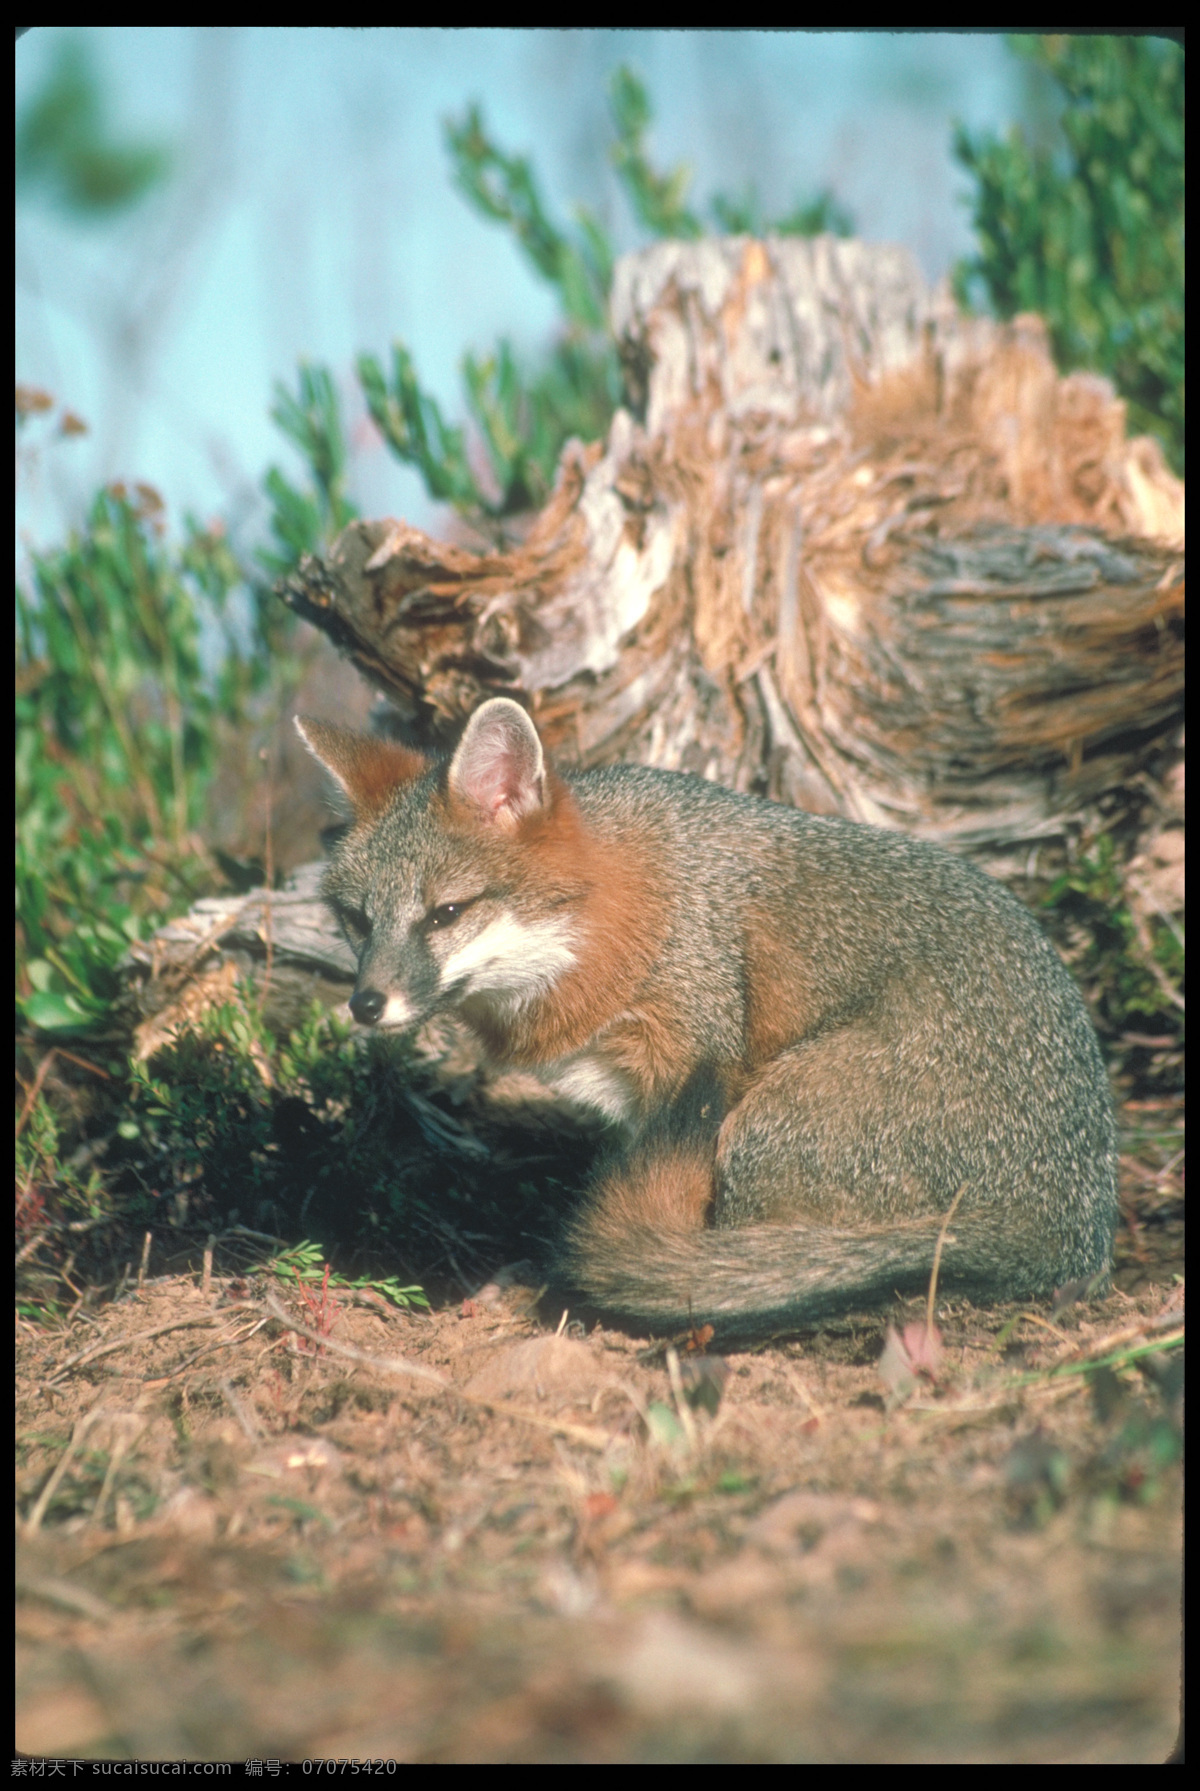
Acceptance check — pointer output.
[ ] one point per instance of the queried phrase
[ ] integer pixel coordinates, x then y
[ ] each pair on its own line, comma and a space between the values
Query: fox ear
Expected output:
499, 768
368, 771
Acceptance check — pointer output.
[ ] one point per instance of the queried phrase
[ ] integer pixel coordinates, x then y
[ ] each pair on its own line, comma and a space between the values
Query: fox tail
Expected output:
759, 1280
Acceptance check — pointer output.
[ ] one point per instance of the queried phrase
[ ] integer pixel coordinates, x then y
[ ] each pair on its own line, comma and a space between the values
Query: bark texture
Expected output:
843, 547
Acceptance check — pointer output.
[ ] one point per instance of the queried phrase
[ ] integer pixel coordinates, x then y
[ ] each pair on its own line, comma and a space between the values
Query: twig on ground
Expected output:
106, 1349
937, 1259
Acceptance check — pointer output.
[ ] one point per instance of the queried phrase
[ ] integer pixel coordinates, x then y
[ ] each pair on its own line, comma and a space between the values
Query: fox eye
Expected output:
356, 922
446, 914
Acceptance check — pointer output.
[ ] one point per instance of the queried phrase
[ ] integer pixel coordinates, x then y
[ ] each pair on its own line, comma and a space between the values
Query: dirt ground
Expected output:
236, 1543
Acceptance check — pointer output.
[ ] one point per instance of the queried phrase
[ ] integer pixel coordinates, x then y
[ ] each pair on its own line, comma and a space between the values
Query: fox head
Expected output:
460, 882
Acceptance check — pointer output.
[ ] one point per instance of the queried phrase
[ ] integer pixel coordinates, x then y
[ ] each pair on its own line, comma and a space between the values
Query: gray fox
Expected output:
807, 1034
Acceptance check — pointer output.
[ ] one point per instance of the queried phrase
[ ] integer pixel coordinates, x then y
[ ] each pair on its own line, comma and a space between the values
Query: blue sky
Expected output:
312, 215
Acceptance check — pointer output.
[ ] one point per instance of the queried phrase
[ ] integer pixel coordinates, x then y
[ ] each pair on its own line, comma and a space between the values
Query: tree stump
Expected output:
843, 547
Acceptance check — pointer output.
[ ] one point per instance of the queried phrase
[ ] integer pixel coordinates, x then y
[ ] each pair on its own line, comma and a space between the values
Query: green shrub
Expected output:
138, 660
305, 521
1131, 976
523, 412
116, 742
65, 147
1090, 233
321, 1136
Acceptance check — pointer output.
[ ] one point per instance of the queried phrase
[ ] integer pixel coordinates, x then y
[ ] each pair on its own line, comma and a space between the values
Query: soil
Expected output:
237, 1544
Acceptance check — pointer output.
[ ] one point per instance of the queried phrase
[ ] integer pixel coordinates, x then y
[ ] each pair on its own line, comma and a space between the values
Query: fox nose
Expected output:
367, 1006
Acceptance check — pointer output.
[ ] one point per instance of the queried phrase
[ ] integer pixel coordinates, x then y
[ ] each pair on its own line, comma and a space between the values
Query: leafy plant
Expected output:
412, 425
1090, 233
64, 144
115, 744
658, 200
228, 1125
304, 1265
1109, 955
742, 216
138, 660
523, 413
304, 522
503, 188
229, 1133
135, 660
41, 1166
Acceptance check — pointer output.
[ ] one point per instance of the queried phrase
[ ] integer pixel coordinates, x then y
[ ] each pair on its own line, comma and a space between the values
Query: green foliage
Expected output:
1091, 234
502, 187
411, 423
201, 1115
134, 658
312, 1151
107, 611
1126, 982
137, 660
812, 217
657, 199
305, 522
64, 147
304, 1265
523, 414
40, 1163
319, 1136
115, 743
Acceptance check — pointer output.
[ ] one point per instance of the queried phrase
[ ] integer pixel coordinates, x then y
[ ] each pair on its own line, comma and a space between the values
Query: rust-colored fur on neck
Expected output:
618, 915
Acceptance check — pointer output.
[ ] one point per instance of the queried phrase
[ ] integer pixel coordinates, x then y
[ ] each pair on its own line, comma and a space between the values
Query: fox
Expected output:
807, 1038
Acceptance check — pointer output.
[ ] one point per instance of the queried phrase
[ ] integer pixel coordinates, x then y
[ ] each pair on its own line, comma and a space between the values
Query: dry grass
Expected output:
246, 1538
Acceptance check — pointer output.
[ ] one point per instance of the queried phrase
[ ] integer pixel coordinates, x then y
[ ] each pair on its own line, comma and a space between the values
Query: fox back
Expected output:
810, 1037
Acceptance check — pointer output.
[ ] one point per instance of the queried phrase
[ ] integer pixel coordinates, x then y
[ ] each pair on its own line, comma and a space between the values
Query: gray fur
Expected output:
945, 1047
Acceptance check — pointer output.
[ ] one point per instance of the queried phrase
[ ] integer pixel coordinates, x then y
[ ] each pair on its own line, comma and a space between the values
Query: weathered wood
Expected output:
844, 547
294, 920
190, 963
